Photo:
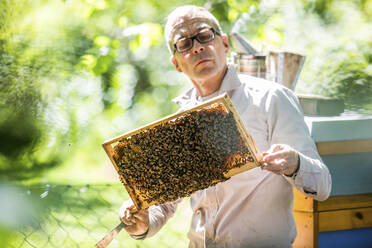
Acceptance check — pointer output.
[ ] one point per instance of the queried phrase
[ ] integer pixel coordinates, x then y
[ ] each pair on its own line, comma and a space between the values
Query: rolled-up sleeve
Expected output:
287, 126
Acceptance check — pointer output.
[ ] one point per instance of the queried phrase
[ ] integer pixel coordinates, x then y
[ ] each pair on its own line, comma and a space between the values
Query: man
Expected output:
254, 208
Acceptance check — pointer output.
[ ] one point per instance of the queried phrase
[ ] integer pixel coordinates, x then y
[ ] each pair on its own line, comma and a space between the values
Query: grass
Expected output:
79, 216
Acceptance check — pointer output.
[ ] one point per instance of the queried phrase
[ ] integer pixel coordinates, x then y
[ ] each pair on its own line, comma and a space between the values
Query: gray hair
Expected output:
176, 18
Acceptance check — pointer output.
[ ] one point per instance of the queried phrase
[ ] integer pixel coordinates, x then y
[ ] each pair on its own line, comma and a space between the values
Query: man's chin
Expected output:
205, 69
205, 74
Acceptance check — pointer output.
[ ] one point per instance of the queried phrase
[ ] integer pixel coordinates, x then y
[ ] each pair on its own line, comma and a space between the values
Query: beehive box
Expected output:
182, 153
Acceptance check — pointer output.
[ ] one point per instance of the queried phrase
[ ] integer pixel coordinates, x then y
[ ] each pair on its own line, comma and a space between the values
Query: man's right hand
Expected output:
137, 223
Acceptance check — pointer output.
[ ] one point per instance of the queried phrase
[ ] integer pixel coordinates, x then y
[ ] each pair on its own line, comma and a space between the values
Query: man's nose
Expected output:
197, 47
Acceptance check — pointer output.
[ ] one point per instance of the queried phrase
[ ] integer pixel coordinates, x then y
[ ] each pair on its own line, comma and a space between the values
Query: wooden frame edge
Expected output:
108, 149
107, 145
165, 119
243, 131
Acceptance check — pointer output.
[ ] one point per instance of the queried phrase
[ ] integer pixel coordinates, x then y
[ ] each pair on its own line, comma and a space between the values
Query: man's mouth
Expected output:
202, 61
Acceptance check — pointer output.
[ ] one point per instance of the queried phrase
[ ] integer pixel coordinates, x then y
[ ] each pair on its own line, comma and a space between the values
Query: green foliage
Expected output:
333, 35
20, 71
34, 58
350, 77
322, 8
75, 73
78, 216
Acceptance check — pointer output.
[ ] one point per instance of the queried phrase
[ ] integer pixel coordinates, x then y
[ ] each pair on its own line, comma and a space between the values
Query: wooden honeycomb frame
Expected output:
226, 101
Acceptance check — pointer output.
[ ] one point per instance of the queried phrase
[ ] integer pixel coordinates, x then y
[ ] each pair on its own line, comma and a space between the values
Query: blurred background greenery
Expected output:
75, 73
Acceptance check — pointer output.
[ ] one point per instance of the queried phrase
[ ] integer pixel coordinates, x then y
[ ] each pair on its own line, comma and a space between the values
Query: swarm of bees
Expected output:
179, 157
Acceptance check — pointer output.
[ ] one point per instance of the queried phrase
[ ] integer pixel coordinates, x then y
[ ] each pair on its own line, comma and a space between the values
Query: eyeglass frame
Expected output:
194, 37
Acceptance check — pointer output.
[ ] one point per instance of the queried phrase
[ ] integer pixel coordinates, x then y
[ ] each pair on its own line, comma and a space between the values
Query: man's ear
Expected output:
175, 63
225, 41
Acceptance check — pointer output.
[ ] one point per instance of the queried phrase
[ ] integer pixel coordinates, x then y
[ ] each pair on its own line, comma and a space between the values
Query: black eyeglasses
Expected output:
204, 36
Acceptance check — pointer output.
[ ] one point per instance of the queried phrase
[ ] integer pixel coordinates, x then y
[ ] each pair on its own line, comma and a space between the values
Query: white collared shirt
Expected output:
254, 208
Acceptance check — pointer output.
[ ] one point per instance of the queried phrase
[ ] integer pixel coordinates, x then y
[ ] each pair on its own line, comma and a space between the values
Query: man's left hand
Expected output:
280, 159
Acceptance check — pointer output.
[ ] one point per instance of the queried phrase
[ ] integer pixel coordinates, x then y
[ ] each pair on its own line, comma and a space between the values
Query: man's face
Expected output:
202, 61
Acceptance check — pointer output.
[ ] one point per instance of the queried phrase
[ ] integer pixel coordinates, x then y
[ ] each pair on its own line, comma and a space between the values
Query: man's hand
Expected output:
280, 159
137, 223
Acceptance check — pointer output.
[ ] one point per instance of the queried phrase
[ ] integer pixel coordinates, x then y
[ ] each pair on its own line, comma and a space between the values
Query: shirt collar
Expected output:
229, 82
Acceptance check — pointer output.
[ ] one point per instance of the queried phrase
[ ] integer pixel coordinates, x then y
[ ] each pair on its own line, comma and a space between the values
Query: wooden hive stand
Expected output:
338, 212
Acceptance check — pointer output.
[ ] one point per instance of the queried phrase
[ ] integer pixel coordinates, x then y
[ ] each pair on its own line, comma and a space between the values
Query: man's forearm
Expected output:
158, 216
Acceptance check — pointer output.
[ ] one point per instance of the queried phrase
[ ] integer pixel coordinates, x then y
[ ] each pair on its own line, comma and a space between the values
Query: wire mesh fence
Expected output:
79, 216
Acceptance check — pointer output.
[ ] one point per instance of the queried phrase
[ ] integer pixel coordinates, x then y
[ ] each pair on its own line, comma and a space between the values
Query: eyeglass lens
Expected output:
204, 36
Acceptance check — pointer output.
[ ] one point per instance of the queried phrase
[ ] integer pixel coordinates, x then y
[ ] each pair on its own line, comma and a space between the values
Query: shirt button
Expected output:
209, 243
